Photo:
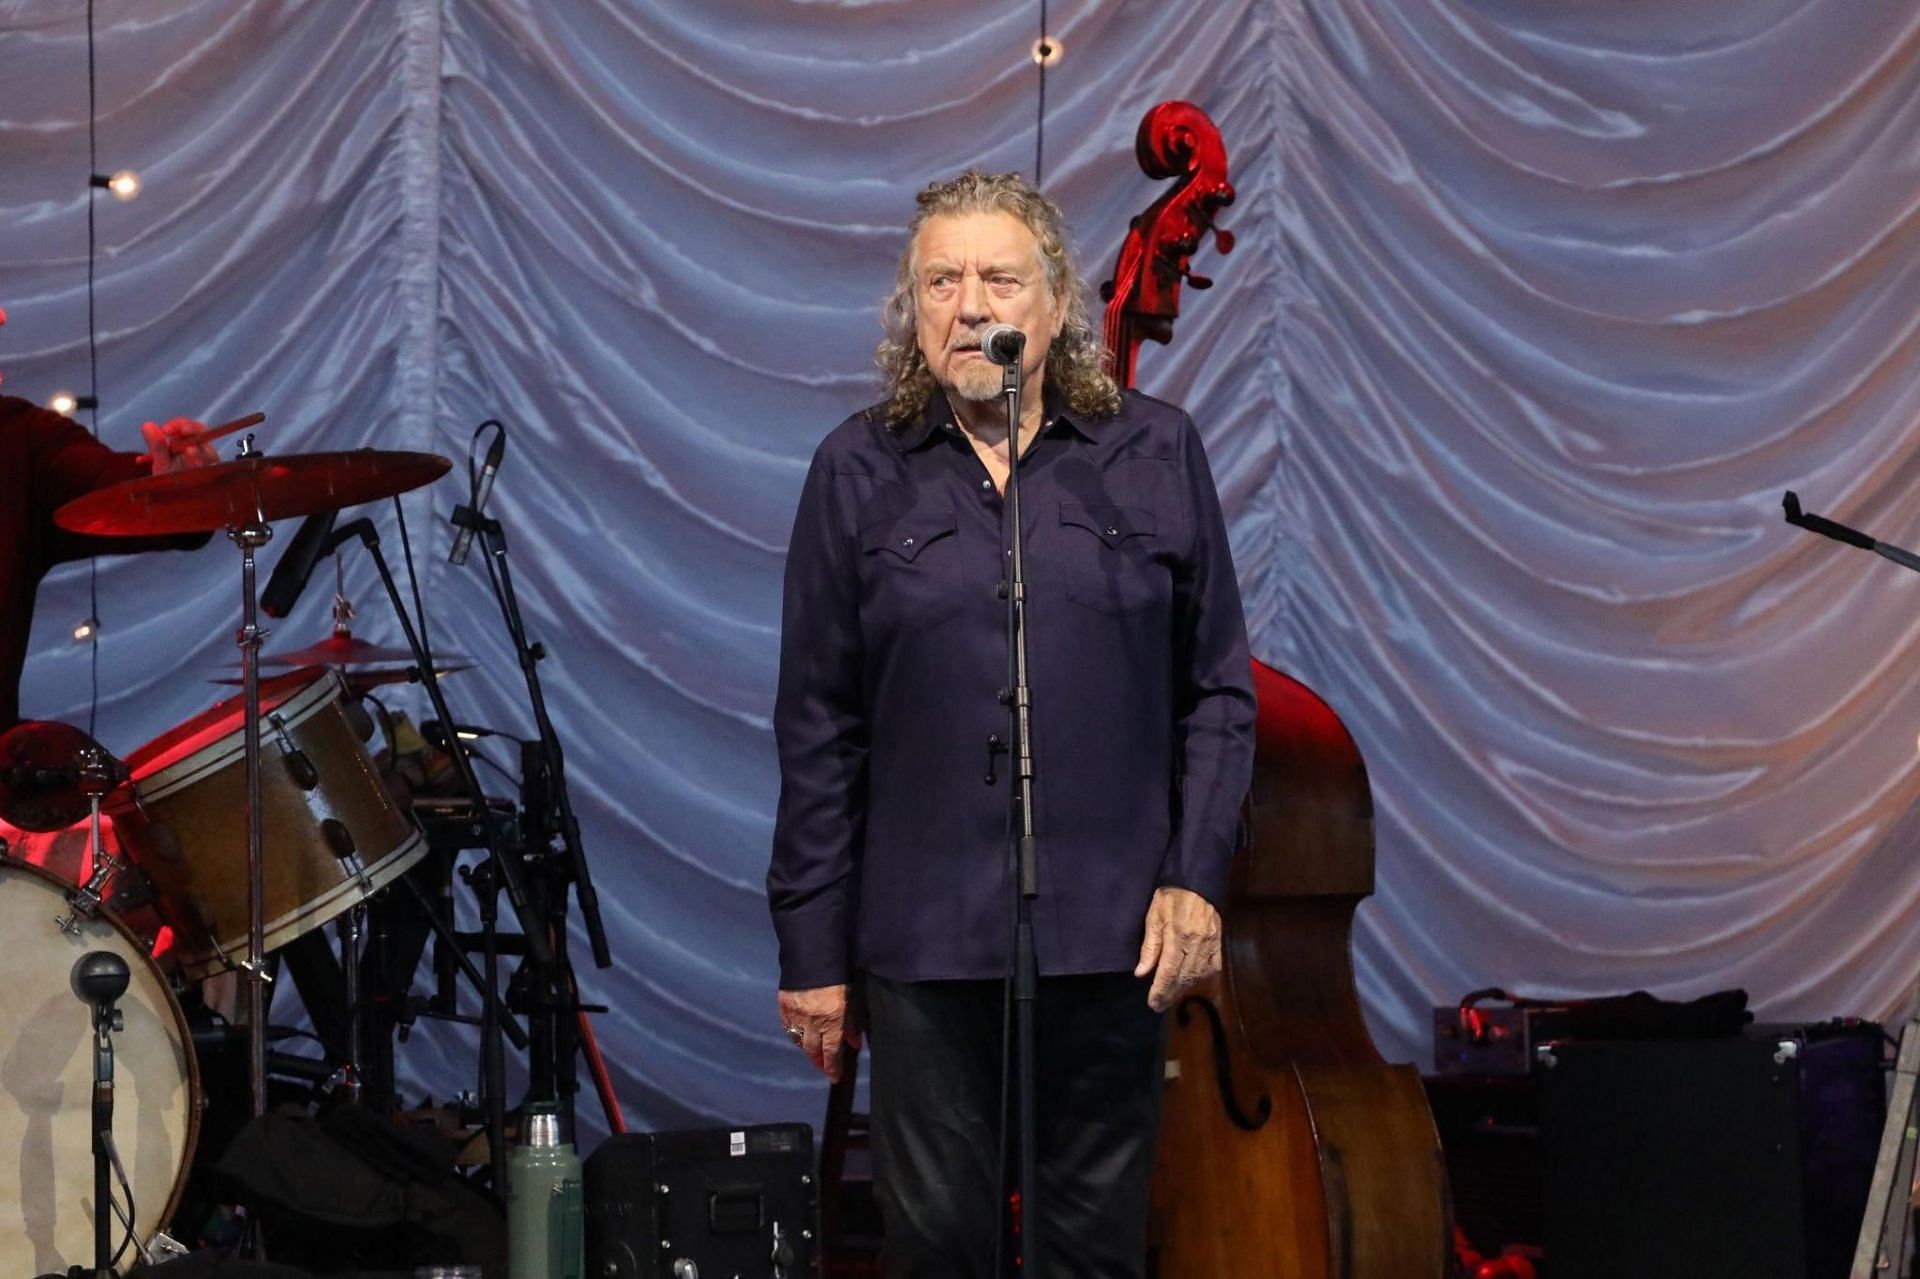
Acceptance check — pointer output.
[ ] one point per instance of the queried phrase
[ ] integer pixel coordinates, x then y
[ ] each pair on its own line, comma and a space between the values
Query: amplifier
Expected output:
1737, 1157
707, 1203
1479, 1040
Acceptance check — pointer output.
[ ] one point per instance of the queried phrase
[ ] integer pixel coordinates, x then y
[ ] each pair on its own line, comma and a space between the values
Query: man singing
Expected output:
889, 873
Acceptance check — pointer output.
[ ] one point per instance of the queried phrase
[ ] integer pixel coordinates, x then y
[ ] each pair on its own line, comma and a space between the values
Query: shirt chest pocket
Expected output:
910, 571
1109, 558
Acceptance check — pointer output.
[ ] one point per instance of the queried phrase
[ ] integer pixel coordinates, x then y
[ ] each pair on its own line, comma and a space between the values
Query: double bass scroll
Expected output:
1175, 140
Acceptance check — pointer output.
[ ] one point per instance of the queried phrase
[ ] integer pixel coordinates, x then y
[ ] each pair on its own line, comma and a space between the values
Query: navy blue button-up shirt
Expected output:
890, 844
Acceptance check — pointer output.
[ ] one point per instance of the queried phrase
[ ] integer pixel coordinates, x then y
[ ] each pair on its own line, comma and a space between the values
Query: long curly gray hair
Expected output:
1077, 360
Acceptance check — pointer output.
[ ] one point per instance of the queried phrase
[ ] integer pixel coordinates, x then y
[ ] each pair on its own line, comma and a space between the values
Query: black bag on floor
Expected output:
352, 1191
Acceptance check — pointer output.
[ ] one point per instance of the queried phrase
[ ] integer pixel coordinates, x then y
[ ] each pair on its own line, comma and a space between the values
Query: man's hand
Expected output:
821, 1018
1182, 945
159, 446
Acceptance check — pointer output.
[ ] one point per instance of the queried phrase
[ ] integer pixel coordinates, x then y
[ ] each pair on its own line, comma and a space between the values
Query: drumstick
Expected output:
181, 443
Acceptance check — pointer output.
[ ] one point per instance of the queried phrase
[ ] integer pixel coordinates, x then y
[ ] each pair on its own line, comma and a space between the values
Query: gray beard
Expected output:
978, 382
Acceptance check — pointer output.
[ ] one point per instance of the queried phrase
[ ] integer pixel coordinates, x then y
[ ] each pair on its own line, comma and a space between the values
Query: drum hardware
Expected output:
242, 496
298, 766
352, 924
53, 775
47, 770
340, 839
85, 902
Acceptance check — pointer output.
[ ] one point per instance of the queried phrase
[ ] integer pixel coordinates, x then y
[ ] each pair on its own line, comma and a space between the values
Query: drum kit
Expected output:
247, 828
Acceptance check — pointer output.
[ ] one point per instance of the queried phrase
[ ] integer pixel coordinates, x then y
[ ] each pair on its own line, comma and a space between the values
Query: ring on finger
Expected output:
796, 1033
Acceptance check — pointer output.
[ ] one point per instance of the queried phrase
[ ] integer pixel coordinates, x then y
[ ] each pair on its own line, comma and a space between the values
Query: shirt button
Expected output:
1113, 532
986, 484
906, 541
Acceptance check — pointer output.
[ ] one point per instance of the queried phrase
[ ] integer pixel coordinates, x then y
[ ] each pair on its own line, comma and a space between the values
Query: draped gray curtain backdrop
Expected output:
1535, 311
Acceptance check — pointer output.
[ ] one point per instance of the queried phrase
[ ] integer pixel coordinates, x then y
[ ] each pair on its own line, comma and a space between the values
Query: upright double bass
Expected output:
1289, 1148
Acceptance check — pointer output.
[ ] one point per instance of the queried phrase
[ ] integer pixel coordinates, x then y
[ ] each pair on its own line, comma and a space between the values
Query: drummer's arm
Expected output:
70, 463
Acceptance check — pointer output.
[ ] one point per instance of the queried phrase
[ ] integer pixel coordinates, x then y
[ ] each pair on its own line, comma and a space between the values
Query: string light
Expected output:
66, 403
1047, 50
88, 632
124, 185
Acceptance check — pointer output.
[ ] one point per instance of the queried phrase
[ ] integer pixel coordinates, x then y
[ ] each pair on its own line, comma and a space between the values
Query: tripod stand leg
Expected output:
1883, 1231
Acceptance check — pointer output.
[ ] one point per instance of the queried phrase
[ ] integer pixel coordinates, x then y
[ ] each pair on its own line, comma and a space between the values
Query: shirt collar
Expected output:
936, 418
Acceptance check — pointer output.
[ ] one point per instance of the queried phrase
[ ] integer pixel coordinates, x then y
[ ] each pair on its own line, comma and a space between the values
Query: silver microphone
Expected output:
464, 539
1002, 343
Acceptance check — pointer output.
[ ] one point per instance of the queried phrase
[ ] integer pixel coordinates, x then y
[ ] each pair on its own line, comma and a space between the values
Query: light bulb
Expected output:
124, 184
65, 402
1047, 50
84, 631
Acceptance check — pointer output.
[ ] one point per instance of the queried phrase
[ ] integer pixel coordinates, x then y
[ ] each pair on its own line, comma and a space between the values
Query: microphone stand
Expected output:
505, 862
106, 1020
530, 656
1887, 1220
1024, 856
100, 978
545, 769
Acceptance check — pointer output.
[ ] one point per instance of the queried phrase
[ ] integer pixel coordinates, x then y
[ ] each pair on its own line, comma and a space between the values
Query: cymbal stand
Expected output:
250, 537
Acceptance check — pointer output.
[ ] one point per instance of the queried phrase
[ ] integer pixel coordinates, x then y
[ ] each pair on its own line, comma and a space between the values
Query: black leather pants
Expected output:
935, 1075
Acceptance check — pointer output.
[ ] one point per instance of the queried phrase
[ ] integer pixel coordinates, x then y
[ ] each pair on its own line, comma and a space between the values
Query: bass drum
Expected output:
46, 1085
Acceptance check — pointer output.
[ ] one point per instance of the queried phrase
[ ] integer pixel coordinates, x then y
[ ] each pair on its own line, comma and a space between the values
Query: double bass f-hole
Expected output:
1223, 1067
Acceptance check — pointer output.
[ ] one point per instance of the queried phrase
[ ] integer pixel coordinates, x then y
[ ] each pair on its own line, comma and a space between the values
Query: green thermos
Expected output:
546, 1209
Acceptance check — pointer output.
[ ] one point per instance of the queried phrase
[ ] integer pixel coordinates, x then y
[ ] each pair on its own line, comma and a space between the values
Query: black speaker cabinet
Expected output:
1742, 1158
717, 1202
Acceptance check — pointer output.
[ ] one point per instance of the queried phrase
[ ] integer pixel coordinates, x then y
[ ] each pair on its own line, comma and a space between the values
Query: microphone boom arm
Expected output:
1841, 533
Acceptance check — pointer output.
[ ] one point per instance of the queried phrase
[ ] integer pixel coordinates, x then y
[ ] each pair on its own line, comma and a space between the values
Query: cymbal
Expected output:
259, 487
364, 665
348, 650
43, 774
360, 679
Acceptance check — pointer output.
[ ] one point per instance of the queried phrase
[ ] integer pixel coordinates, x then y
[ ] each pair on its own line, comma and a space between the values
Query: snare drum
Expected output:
331, 835
46, 1084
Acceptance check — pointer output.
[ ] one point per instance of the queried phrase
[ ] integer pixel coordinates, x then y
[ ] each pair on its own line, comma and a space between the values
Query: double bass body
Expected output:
1289, 1148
